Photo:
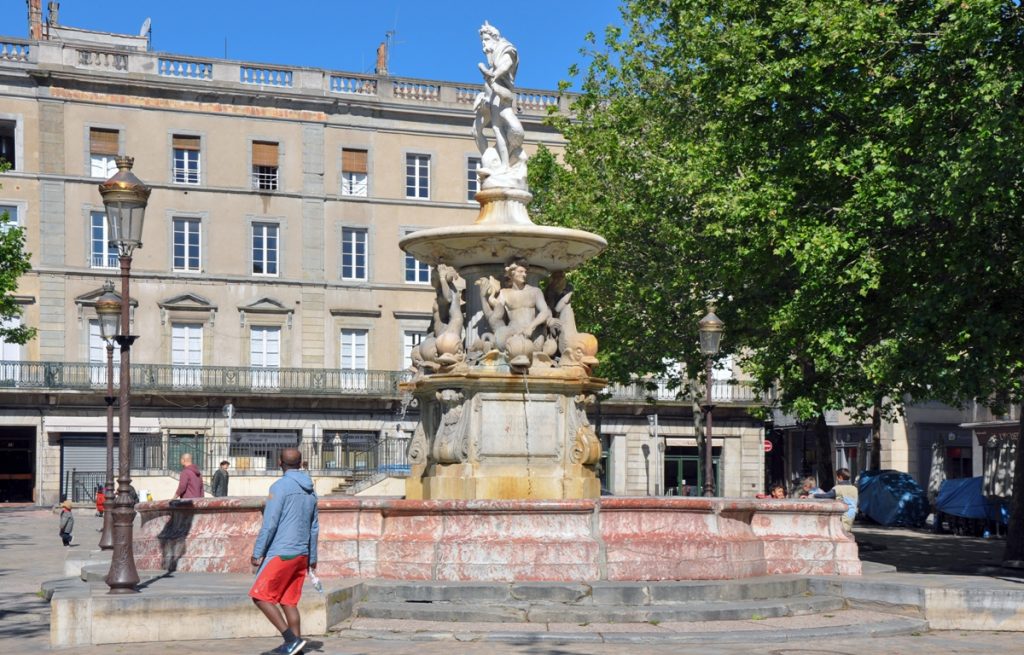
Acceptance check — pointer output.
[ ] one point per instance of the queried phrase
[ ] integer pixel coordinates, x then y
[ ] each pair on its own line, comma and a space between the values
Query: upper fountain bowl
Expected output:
551, 248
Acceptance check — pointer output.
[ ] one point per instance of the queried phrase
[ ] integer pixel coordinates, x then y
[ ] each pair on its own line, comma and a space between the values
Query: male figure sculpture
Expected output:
516, 313
505, 164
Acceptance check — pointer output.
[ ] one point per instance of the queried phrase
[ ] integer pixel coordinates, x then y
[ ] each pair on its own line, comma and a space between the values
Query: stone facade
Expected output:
342, 296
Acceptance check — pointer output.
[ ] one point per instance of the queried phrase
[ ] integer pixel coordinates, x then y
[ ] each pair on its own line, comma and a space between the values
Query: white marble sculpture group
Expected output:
504, 376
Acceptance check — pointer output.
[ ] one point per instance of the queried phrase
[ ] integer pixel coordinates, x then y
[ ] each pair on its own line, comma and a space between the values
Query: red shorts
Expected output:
281, 580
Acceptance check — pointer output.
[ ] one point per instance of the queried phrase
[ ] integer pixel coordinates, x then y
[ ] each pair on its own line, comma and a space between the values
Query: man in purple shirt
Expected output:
190, 482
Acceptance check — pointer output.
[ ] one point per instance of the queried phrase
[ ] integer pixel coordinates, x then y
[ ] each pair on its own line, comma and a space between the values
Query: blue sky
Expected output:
435, 39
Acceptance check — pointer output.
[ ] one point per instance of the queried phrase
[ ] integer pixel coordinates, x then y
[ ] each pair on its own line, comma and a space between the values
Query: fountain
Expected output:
503, 484
504, 378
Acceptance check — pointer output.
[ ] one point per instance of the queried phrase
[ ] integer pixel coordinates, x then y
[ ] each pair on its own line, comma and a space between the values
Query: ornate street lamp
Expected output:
125, 198
710, 329
108, 308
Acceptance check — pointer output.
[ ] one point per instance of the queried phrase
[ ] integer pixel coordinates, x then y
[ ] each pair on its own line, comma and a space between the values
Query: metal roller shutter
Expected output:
85, 456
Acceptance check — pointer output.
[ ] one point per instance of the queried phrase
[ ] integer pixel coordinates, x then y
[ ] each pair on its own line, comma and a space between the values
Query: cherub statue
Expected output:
505, 163
516, 312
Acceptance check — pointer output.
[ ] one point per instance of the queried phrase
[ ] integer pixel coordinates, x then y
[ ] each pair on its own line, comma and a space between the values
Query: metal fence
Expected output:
342, 454
80, 486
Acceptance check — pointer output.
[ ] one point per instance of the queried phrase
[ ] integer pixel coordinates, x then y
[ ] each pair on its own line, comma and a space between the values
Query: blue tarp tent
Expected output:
892, 498
963, 498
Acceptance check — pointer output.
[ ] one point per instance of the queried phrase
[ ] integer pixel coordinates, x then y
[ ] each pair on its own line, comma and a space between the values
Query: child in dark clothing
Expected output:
67, 522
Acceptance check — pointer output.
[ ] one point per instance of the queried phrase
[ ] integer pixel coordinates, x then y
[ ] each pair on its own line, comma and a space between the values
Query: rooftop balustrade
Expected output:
228, 74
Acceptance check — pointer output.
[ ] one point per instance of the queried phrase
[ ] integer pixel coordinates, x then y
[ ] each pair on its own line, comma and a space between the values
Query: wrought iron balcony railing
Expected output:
86, 376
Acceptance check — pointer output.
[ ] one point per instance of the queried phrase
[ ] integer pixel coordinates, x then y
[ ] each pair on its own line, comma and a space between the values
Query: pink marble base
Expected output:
662, 538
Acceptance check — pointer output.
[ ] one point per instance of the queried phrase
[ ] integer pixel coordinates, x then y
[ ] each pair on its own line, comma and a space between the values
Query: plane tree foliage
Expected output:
842, 176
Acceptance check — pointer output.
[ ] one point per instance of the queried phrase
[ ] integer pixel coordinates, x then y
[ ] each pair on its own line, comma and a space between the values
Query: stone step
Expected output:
549, 612
840, 623
598, 593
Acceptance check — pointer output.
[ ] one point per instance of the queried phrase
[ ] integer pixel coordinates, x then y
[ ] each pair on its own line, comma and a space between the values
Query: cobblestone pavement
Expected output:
31, 552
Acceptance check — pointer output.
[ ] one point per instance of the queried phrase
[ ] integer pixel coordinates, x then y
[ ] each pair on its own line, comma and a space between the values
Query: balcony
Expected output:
723, 392
85, 376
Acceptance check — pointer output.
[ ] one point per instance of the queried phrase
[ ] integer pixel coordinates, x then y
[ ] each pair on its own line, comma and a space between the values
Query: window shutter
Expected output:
264, 153
185, 142
353, 161
102, 142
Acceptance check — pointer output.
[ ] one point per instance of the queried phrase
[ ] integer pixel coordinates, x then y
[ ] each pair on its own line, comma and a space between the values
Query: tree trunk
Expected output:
1015, 532
876, 436
823, 442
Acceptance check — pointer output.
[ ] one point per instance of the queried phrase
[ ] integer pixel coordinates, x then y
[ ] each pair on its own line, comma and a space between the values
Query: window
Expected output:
186, 159
417, 176
13, 217
416, 272
186, 245
10, 354
186, 354
353, 172
472, 181
7, 143
97, 355
265, 353
264, 249
353, 349
410, 339
101, 254
353, 254
103, 148
264, 165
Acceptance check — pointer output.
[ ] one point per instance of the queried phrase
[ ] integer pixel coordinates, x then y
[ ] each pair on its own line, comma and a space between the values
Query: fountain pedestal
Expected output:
491, 434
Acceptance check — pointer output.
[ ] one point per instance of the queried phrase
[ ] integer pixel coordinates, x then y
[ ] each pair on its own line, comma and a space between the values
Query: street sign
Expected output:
767, 446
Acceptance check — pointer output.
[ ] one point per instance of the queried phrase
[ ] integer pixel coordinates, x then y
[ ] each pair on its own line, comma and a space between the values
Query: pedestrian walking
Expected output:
67, 522
190, 482
220, 480
284, 549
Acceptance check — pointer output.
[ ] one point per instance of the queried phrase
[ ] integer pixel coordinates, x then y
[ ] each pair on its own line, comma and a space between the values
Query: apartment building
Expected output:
272, 303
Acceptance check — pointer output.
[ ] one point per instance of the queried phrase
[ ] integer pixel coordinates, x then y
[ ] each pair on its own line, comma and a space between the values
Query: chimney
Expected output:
35, 19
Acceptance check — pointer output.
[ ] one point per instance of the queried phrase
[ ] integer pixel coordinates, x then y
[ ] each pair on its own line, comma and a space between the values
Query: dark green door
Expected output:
178, 444
684, 471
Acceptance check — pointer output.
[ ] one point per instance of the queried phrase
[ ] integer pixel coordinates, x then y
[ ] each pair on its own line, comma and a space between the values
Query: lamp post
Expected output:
124, 198
108, 308
710, 329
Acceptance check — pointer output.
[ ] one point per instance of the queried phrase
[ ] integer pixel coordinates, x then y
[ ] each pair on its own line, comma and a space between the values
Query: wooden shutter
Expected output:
103, 142
264, 153
185, 142
353, 161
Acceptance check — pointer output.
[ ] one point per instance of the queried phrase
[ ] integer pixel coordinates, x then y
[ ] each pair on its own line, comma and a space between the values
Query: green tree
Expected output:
14, 262
836, 173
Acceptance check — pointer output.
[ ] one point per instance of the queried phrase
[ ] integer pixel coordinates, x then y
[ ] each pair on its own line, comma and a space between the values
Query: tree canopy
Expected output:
843, 176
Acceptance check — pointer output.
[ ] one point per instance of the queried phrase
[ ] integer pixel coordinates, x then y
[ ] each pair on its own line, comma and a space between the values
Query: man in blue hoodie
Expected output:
285, 548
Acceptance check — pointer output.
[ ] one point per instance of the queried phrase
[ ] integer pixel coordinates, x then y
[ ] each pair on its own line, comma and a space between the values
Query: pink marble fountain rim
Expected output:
401, 506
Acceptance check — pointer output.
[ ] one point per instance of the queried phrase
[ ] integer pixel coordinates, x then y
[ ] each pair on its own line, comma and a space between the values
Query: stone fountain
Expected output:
504, 378
503, 484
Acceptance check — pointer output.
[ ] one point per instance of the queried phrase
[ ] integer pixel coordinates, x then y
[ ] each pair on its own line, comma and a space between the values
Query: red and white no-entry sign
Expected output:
767, 446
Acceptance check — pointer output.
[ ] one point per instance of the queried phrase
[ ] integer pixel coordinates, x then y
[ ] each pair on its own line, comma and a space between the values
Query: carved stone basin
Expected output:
550, 248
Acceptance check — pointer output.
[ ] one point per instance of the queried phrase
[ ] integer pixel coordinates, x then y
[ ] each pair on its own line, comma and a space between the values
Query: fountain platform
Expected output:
588, 540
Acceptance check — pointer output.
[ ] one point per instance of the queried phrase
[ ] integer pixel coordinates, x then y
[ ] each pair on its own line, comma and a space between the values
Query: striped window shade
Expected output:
353, 161
264, 153
181, 142
103, 142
